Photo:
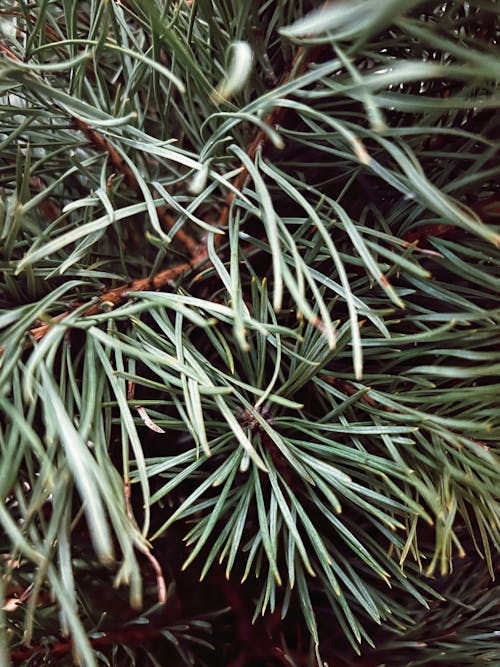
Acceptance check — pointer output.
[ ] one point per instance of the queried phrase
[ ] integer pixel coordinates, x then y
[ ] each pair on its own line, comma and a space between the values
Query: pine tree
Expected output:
249, 332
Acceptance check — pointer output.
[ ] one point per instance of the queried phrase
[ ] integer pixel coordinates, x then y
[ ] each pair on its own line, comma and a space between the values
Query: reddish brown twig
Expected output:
421, 234
350, 389
117, 295
118, 163
487, 209
261, 139
128, 636
255, 640
9, 53
47, 207
197, 252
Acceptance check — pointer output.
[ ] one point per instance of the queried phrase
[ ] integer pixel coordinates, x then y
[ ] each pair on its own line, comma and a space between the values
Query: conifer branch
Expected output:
197, 251
256, 248
130, 636
189, 245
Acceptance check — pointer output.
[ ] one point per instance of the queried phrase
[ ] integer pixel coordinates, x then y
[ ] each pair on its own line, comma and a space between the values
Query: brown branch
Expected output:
22, 31
9, 53
487, 209
198, 252
434, 229
255, 640
47, 207
261, 140
118, 163
129, 636
117, 295
350, 389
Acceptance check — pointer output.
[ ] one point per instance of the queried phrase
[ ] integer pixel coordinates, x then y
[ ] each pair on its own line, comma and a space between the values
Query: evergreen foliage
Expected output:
249, 331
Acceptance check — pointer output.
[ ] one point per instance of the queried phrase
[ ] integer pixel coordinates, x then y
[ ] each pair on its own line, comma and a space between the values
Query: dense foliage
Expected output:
249, 326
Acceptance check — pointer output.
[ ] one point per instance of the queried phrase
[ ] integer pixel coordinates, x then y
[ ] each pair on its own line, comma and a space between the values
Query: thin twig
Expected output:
261, 139
161, 586
197, 252
119, 164
47, 207
487, 209
128, 636
117, 295
9, 53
